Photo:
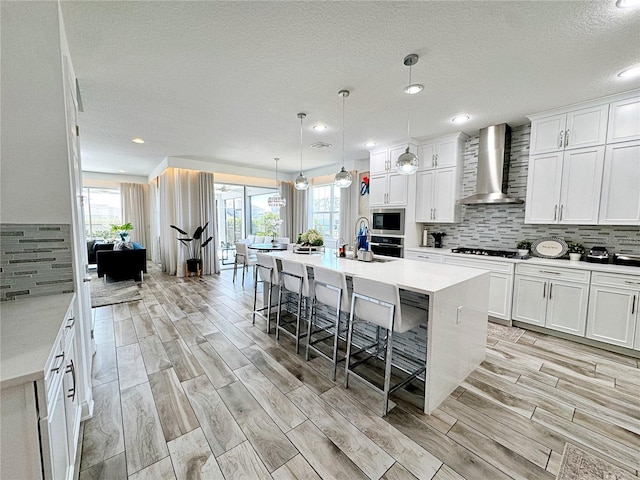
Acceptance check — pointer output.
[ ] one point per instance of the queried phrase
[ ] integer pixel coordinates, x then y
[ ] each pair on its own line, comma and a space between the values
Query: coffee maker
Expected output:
598, 255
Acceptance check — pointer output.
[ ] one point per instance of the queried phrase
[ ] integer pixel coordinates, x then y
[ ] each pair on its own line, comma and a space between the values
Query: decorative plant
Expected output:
272, 225
575, 247
523, 245
122, 230
311, 238
194, 244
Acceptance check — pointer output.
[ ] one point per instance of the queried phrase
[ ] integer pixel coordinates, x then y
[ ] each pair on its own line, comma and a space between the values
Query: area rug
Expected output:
504, 332
113, 292
580, 465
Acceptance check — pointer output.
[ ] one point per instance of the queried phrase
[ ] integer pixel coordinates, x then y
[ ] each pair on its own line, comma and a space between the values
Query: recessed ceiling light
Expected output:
137, 140
320, 127
413, 89
630, 72
627, 3
120, 171
460, 119
370, 144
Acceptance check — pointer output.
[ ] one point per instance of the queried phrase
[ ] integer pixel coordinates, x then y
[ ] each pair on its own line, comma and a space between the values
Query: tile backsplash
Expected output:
35, 259
502, 226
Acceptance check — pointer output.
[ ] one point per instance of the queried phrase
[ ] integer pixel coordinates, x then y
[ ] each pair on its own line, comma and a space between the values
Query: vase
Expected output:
575, 257
274, 242
522, 252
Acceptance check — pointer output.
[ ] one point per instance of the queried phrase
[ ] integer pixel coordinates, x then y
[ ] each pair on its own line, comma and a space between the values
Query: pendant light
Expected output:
343, 178
302, 182
277, 200
407, 163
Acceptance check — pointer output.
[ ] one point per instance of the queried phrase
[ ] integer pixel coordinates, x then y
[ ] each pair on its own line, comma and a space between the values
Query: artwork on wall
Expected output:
363, 198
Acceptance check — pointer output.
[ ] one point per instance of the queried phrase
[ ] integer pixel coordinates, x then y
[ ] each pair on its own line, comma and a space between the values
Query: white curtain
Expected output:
349, 209
185, 203
208, 214
287, 191
299, 213
154, 210
135, 209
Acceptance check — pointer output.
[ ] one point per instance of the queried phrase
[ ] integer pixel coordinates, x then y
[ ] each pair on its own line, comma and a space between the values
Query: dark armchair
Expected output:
122, 264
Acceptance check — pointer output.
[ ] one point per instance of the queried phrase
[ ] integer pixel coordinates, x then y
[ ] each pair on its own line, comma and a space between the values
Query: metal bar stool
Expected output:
378, 303
330, 288
242, 258
266, 272
294, 279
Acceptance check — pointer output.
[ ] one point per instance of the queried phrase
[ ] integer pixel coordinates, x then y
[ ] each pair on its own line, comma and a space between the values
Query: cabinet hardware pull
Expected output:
566, 138
61, 357
433, 160
436, 159
631, 283
561, 209
561, 139
633, 305
555, 212
544, 290
549, 272
71, 322
550, 290
72, 370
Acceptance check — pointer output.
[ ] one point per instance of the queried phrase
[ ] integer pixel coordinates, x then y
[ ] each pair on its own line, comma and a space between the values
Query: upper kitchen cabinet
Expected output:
387, 188
442, 152
620, 200
564, 187
624, 120
574, 129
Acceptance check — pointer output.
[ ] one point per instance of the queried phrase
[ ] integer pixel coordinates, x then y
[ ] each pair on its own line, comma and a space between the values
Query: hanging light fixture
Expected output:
277, 200
407, 163
343, 178
302, 182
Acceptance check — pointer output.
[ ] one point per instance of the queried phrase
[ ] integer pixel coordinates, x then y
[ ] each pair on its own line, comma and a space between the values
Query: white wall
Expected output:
34, 158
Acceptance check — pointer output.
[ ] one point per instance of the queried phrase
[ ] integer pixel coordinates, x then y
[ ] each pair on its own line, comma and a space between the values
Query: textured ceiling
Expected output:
223, 81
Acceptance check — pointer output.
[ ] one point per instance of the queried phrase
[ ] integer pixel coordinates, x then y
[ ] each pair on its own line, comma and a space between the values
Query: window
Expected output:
233, 219
260, 212
102, 208
325, 210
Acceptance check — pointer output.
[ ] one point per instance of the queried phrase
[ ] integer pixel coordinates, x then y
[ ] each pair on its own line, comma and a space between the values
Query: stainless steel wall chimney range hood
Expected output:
493, 167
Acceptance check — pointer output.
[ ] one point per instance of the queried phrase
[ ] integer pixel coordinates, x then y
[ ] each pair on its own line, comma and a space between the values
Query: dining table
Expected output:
268, 247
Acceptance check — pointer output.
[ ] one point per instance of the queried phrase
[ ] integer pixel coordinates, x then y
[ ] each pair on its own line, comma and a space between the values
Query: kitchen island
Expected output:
455, 300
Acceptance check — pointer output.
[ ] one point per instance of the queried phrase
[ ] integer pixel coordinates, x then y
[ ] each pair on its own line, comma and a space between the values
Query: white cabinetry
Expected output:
624, 120
564, 187
575, 129
620, 199
501, 284
423, 256
387, 188
439, 179
551, 297
613, 309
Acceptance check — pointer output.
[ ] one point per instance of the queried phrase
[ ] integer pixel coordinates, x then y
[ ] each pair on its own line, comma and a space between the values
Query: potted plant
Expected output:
122, 230
194, 244
272, 224
576, 250
523, 247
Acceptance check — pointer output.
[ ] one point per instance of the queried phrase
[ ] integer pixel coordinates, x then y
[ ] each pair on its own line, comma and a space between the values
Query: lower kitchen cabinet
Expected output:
613, 309
551, 297
423, 257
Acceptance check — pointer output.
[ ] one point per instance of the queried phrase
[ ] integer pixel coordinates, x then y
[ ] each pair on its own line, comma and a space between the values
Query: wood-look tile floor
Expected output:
186, 387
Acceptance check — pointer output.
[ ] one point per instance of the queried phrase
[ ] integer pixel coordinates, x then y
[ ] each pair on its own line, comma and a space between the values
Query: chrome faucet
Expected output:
364, 223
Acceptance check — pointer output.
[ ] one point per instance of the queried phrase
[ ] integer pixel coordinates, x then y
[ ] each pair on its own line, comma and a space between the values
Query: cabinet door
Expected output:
398, 190
624, 121
427, 156
53, 431
500, 295
444, 198
378, 162
620, 200
423, 257
546, 134
71, 400
395, 152
612, 315
377, 191
586, 127
543, 188
446, 153
567, 307
529, 299
581, 185
424, 196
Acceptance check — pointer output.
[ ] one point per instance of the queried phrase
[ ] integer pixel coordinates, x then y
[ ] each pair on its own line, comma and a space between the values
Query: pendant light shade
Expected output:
407, 163
277, 200
343, 178
302, 182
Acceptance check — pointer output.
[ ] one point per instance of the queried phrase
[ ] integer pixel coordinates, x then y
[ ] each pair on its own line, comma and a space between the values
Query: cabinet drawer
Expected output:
616, 280
492, 265
570, 274
423, 257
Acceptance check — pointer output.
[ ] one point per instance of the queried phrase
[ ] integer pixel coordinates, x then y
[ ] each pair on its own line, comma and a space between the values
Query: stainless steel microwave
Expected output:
387, 221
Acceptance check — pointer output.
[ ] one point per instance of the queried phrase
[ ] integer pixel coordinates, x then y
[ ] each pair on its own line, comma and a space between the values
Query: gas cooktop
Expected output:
485, 252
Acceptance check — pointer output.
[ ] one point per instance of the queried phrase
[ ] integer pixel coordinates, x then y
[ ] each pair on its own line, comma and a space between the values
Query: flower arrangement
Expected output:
575, 247
122, 230
272, 226
311, 238
523, 245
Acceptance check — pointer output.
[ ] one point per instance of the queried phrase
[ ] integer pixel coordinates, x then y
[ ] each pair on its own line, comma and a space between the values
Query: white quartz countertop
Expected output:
555, 262
28, 330
407, 274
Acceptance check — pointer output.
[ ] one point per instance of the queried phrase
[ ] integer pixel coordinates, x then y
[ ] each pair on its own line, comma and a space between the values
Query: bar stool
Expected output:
242, 258
266, 272
330, 288
294, 279
378, 303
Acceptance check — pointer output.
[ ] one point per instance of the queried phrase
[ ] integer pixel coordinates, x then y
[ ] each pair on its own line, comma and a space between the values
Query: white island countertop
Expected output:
28, 330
